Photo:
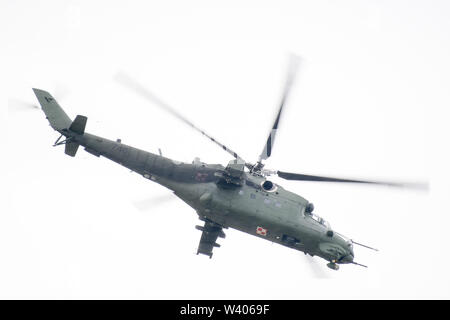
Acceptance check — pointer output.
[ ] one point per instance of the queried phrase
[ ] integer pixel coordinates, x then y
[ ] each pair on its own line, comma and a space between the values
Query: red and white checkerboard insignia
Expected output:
261, 231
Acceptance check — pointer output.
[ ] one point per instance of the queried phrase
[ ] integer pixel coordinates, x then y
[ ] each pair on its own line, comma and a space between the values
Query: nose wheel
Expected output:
333, 265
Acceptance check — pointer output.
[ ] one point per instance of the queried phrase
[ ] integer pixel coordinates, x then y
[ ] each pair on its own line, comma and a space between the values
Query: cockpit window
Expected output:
320, 220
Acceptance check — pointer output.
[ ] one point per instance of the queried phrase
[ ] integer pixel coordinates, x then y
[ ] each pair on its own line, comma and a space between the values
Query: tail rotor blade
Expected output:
18, 105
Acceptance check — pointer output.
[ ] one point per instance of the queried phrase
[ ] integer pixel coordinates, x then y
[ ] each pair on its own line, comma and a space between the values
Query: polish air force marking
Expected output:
261, 231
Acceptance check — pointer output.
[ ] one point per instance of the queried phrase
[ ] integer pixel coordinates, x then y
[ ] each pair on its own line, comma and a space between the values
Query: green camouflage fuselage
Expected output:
279, 213
223, 197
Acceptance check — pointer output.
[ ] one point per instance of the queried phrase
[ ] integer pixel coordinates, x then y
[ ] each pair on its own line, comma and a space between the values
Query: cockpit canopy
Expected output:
320, 220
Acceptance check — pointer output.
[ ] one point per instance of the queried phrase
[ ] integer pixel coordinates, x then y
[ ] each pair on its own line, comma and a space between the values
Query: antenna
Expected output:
363, 245
358, 264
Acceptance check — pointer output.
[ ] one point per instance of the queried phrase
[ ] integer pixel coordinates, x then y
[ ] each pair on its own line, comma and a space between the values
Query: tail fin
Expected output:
61, 122
58, 119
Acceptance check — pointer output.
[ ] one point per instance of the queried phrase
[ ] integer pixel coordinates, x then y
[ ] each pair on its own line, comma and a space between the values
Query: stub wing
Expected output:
210, 232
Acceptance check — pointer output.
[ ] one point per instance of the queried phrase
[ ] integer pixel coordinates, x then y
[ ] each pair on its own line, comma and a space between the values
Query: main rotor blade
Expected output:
138, 88
292, 70
305, 177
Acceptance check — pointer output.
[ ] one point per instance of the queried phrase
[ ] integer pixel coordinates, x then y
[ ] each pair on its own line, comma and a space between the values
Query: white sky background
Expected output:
371, 101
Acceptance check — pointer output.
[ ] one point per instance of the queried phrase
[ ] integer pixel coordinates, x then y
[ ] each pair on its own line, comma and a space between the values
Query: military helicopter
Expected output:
237, 195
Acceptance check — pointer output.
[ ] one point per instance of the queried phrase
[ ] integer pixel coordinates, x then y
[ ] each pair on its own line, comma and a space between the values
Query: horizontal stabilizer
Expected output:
71, 148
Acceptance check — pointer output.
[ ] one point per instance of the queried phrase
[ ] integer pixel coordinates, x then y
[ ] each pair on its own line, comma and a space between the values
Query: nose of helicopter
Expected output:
338, 249
348, 256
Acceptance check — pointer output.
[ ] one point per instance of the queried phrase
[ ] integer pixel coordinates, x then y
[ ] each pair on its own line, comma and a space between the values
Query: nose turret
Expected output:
347, 258
338, 249
347, 250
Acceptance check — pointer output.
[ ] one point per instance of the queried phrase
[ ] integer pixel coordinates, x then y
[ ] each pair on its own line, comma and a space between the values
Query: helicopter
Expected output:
238, 196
